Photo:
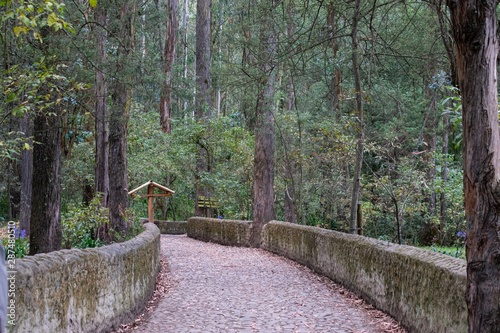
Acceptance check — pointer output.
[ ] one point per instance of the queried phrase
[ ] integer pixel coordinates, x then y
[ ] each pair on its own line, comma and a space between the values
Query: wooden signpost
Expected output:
151, 196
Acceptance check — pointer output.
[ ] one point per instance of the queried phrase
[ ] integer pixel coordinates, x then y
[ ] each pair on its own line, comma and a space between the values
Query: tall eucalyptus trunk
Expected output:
203, 101
335, 83
119, 115
45, 228
290, 197
263, 211
168, 62
475, 30
101, 107
356, 186
26, 175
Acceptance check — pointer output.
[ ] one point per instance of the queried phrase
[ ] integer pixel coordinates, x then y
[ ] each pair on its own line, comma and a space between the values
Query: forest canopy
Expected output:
58, 59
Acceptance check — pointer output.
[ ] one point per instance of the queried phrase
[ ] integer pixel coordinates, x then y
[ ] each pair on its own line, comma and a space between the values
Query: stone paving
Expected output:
216, 288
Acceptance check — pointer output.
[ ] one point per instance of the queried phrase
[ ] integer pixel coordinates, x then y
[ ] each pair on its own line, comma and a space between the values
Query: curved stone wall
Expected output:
90, 290
226, 232
169, 227
422, 289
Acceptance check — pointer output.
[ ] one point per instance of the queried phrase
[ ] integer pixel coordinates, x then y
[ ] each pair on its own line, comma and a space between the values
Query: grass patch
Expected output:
457, 252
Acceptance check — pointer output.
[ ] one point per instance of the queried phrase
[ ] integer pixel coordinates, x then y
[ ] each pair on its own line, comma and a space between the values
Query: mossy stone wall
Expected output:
226, 232
169, 227
422, 289
90, 290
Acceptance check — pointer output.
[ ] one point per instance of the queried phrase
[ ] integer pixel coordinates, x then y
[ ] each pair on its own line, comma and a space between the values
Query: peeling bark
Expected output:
475, 31
264, 132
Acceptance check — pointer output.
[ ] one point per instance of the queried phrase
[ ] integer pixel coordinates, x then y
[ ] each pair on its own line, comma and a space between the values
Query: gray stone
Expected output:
90, 290
422, 289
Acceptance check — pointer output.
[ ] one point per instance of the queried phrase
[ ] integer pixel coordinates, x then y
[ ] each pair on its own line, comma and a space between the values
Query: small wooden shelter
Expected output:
151, 195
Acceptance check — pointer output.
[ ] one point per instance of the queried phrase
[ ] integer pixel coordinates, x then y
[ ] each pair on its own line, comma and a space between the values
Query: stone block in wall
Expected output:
226, 232
169, 227
172, 227
90, 290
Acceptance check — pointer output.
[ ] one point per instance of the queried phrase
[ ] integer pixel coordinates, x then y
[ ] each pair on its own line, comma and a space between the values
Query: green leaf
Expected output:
10, 98
18, 30
93, 3
52, 19
37, 36
8, 15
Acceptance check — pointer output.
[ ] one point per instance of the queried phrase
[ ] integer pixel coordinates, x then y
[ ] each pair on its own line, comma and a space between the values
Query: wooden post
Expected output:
151, 203
360, 220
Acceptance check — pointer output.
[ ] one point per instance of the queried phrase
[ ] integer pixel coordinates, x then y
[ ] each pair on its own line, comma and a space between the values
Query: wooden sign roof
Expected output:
161, 187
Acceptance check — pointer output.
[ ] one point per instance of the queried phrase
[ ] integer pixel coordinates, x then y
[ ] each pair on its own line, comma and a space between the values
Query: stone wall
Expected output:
169, 227
226, 232
90, 290
422, 289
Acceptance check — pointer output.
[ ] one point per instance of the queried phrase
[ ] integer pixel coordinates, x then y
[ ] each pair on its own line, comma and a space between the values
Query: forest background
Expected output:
355, 90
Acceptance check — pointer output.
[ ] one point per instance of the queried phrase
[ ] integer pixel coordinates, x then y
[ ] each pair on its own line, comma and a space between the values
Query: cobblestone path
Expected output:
217, 288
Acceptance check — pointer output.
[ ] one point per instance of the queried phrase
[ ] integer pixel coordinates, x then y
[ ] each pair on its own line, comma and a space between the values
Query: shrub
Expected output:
83, 226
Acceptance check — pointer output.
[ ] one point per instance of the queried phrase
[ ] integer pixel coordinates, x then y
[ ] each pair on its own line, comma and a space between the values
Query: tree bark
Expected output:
444, 176
263, 211
335, 83
430, 139
121, 95
203, 100
247, 63
290, 198
101, 109
184, 42
356, 186
475, 30
168, 62
46, 234
13, 178
26, 176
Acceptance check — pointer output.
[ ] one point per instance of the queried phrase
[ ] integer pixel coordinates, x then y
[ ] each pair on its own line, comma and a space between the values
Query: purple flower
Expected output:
220, 216
461, 234
18, 233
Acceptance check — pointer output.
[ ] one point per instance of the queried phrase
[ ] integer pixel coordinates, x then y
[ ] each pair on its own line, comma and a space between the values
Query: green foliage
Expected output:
32, 89
403, 64
458, 252
19, 243
83, 226
135, 227
32, 16
170, 159
4, 206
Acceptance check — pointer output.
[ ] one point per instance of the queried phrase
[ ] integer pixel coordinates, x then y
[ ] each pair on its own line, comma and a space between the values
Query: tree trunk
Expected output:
335, 83
26, 176
264, 133
101, 109
13, 178
444, 176
46, 235
475, 30
290, 198
118, 200
203, 100
184, 41
356, 186
247, 62
430, 139
447, 40
168, 62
